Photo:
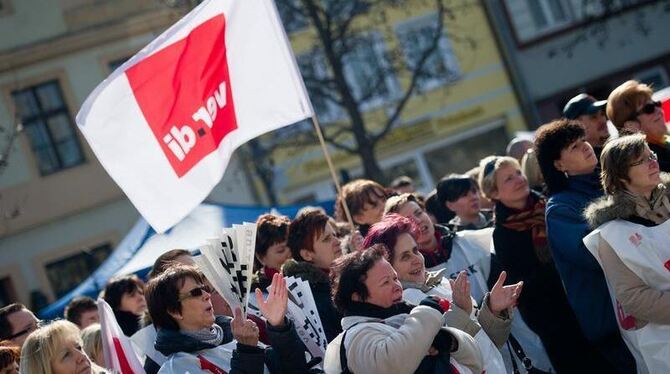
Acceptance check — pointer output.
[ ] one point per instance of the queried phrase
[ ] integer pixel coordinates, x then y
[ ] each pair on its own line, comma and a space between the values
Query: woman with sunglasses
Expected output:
631, 244
631, 108
521, 246
194, 340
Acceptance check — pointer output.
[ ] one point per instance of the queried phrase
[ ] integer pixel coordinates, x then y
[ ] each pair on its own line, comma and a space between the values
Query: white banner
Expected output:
165, 124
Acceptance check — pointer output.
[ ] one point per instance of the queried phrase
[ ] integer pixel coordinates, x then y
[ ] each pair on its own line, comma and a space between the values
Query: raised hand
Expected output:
461, 292
274, 308
244, 330
356, 241
504, 297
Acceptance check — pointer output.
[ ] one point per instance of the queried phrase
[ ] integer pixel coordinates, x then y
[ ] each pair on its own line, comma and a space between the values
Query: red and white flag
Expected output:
120, 356
165, 124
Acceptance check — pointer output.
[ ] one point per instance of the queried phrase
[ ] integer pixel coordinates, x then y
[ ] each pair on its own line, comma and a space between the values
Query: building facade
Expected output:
465, 111
556, 49
60, 213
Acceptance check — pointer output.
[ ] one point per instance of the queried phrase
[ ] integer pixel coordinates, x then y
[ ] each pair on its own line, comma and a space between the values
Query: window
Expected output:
368, 72
464, 155
535, 18
291, 14
656, 77
441, 66
66, 273
547, 13
313, 68
49, 127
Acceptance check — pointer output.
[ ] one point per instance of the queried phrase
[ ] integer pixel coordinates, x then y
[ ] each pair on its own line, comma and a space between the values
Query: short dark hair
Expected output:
439, 210
550, 140
307, 225
118, 286
166, 260
270, 230
387, 230
349, 272
453, 187
77, 307
163, 294
5, 312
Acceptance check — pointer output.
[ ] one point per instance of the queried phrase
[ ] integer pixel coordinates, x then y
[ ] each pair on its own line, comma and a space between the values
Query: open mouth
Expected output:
416, 272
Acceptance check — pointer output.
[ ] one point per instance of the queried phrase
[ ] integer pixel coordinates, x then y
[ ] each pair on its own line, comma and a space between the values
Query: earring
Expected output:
566, 174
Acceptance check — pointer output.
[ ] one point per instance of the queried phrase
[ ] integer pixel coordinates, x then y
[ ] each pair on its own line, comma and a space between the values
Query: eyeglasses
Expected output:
27, 330
195, 292
648, 108
646, 160
488, 168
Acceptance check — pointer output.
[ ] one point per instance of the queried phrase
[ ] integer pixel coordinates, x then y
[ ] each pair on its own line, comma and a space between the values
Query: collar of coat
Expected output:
626, 206
306, 271
433, 278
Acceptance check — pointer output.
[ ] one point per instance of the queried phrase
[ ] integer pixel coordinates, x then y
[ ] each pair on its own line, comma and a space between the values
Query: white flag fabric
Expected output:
120, 356
165, 124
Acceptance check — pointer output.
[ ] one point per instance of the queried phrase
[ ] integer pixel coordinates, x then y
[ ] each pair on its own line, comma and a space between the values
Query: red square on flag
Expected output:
184, 92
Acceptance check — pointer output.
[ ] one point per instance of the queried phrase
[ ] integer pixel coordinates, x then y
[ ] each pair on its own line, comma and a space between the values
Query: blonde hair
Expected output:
92, 339
489, 167
623, 102
41, 346
531, 169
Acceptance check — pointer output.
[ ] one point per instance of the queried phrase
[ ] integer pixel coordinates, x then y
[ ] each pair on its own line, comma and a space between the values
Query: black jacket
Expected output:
319, 283
543, 303
663, 154
129, 322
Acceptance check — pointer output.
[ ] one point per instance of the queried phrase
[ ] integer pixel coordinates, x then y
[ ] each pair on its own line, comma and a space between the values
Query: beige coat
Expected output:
398, 344
645, 303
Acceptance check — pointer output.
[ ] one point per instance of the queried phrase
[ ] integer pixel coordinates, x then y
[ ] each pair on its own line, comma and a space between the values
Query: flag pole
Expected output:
317, 127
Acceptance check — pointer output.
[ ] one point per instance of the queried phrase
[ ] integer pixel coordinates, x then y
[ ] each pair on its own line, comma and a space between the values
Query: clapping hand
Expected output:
504, 297
244, 330
356, 241
461, 292
274, 308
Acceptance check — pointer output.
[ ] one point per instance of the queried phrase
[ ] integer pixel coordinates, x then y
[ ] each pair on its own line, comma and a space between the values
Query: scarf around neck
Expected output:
212, 335
374, 311
532, 218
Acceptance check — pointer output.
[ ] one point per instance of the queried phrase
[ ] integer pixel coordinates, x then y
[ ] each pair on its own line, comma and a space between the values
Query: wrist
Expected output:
278, 324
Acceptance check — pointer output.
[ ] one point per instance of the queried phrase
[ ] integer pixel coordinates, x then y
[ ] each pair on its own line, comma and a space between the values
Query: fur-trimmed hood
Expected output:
305, 270
621, 205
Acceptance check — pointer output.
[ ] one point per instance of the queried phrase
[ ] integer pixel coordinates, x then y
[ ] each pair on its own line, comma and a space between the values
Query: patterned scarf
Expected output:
532, 218
212, 335
663, 141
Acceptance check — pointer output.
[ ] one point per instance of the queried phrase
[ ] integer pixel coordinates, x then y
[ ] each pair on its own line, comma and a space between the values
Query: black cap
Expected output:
582, 104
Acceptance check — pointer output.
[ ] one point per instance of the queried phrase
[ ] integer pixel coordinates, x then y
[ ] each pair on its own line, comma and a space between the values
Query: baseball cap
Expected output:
582, 104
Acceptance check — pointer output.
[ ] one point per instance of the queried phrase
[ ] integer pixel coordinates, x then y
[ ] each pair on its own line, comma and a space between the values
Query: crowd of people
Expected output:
549, 259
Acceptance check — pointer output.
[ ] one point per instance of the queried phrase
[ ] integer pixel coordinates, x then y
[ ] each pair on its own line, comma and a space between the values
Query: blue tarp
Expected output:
141, 246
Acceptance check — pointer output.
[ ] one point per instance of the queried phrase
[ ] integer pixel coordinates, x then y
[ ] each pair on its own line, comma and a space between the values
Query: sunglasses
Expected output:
488, 168
25, 331
195, 292
648, 108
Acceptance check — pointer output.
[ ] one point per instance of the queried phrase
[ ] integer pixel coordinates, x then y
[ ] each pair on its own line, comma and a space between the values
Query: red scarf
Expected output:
532, 218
